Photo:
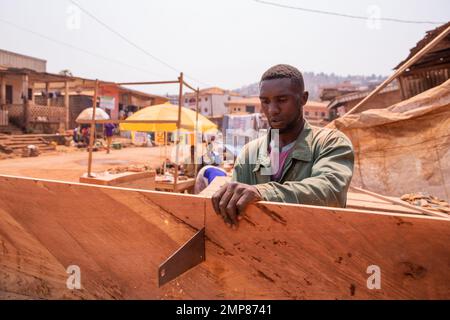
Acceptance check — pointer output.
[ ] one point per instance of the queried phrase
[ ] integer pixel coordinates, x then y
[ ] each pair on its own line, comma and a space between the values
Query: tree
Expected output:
66, 72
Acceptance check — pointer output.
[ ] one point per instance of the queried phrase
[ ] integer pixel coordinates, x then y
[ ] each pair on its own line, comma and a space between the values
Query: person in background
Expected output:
76, 133
85, 132
108, 133
122, 114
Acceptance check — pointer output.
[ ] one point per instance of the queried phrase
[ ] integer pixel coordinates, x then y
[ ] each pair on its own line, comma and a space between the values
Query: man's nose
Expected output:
273, 108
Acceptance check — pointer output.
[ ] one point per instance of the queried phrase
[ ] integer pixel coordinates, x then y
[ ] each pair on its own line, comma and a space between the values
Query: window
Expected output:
9, 94
306, 113
206, 110
250, 109
323, 114
30, 94
206, 98
316, 113
185, 100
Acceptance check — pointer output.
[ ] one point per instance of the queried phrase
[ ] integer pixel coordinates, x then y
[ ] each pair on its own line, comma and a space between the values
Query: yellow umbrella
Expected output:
166, 112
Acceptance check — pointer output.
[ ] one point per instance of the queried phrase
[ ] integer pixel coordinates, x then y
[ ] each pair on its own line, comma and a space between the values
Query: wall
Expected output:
14, 60
112, 91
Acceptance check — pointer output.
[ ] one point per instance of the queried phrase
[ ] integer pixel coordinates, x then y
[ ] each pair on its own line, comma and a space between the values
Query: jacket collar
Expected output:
302, 149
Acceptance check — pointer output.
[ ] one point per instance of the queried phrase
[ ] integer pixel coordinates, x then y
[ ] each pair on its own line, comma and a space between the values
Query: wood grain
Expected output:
119, 237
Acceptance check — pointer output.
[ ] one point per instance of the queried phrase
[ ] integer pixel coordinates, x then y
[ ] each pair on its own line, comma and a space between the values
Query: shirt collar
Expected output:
302, 149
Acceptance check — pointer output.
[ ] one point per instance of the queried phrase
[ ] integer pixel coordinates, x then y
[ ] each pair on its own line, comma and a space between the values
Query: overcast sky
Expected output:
215, 43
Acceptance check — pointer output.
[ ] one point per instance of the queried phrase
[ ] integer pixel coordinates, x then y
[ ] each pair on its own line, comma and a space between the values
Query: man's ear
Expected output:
304, 97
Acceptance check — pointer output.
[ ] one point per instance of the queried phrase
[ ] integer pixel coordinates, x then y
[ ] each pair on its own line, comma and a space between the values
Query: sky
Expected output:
214, 43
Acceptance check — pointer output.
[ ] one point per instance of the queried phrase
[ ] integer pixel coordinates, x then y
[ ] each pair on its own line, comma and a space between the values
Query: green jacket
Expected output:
317, 172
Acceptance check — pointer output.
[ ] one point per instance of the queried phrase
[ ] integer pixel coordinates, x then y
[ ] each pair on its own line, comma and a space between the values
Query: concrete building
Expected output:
211, 101
244, 106
316, 113
387, 97
15, 60
33, 100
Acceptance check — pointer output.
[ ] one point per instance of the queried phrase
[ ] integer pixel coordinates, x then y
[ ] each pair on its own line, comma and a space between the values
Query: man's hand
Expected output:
231, 200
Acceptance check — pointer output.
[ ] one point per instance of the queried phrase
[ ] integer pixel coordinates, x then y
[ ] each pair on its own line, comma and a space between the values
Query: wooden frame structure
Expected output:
179, 126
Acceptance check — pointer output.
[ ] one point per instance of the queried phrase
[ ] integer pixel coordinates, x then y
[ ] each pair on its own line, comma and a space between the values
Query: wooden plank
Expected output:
403, 203
119, 236
365, 205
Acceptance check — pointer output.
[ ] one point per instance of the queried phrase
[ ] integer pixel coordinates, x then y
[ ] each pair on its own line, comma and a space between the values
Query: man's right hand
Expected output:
231, 200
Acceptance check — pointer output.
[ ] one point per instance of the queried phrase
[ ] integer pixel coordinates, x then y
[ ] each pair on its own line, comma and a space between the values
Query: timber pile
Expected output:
118, 237
427, 201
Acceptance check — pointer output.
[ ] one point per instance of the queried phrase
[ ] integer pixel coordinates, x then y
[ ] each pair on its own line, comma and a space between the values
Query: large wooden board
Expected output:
118, 237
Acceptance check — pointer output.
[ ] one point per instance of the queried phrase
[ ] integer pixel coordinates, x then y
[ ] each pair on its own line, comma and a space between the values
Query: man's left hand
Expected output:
231, 200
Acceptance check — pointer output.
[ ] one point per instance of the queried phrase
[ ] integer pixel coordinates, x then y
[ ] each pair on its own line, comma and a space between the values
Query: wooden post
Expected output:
92, 135
400, 70
47, 89
165, 151
177, 141
26, 105
196, 132
2, 91
66, 103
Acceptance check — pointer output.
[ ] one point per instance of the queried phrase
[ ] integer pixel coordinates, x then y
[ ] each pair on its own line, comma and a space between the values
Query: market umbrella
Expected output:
86, 114
167, 112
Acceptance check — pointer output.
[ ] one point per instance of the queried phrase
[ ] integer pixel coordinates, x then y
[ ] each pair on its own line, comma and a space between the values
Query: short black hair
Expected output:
284, 71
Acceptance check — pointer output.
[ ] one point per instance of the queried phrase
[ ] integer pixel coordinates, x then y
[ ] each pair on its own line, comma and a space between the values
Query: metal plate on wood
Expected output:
188, 256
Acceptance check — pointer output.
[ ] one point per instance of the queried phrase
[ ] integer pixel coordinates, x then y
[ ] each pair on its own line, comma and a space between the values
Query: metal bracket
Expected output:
188, 256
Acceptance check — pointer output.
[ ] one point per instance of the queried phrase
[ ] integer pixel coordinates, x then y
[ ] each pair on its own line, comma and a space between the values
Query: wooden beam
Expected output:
402, 203
26, 104
197, 93
92, 133
126, 121
147, 83
400, 70
2, 90
66, 103
177, 142
47, 92
190, 87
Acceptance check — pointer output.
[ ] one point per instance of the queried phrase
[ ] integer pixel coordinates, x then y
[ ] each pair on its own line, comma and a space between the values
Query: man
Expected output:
306, 165
109, 132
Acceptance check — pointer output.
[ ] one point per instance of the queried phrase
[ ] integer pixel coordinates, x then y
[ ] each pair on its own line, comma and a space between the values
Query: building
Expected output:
37, 101
244, 106
328, 93
15, 60
386, 97
211, 101
430, 70
17, 92
316, 113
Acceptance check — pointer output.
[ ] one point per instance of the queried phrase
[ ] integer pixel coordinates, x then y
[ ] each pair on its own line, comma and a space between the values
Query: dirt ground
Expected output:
68, 163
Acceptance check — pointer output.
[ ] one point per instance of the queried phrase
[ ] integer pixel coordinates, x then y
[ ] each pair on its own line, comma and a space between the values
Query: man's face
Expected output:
281, 102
